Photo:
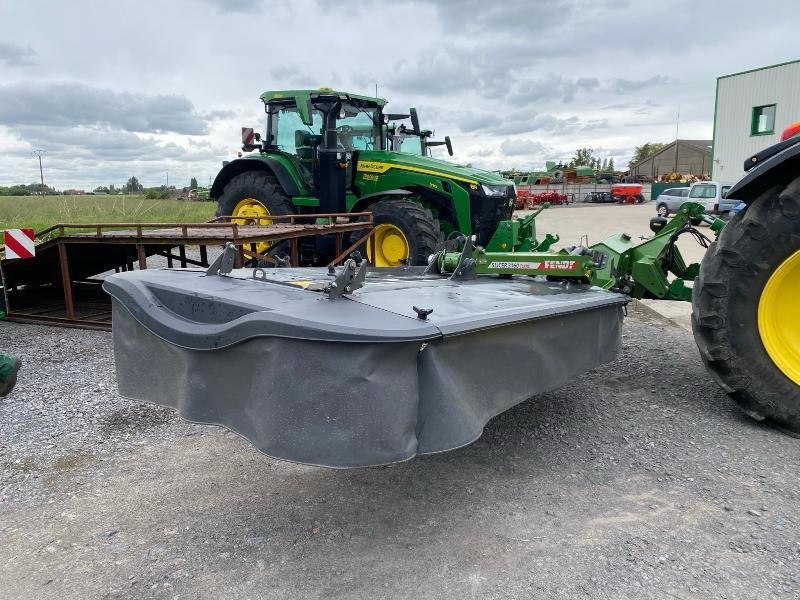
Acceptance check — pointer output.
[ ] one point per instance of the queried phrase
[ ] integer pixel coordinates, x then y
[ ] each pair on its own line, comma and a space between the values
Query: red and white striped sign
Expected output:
19, 243
247, 135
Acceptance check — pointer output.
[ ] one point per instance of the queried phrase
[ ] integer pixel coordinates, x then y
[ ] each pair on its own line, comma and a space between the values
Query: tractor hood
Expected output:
382, 161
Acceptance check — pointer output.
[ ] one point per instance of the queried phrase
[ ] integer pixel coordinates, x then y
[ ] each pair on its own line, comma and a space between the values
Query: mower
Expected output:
362, 366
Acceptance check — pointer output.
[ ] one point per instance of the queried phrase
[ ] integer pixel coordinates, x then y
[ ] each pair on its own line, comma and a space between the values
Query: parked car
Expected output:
670, 200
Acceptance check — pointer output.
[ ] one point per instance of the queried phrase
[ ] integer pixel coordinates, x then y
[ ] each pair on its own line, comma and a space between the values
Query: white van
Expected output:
712, 195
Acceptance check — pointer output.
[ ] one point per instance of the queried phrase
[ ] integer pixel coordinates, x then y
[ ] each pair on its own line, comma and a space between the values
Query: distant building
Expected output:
752, 110
689, 157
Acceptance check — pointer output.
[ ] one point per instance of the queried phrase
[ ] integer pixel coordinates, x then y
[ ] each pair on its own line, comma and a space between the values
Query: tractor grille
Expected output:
487, 213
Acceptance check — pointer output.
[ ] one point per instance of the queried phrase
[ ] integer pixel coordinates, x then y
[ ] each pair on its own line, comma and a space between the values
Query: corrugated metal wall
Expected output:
737, 95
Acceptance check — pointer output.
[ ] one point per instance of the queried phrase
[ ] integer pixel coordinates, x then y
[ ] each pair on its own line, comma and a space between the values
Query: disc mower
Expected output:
416, 359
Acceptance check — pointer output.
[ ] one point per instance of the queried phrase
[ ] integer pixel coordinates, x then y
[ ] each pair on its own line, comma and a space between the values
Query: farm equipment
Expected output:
412, 360
528, 200
627, 193
331, 152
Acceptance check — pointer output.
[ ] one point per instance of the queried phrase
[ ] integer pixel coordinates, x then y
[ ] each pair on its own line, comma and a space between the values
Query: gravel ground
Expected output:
640, 480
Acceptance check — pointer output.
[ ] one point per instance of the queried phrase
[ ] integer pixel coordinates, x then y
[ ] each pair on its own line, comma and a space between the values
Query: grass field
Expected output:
40, 212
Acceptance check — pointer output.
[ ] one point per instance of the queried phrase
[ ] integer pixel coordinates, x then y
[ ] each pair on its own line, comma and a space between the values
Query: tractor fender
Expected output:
442, 203
779, 169
261, 163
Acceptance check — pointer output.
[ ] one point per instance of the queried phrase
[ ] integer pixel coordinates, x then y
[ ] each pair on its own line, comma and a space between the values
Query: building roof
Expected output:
783, 64
700, 145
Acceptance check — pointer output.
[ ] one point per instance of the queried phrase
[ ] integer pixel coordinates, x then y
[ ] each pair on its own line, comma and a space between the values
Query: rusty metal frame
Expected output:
280, 227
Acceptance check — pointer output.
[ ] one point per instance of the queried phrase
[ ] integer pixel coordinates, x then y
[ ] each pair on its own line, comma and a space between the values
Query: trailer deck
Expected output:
62, 283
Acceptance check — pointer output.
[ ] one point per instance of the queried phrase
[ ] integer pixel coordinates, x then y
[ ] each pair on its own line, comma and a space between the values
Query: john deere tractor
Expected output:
327, 152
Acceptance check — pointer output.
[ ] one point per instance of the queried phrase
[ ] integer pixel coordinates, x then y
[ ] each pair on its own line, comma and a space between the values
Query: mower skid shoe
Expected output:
409, 364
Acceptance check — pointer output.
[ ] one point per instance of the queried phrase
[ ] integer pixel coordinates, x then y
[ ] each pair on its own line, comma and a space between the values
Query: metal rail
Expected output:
161, 239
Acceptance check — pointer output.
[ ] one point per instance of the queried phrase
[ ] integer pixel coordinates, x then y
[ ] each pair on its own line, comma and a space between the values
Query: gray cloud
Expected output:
14, 55
238, 6
515, 147
524, 121
625, 86
72, 104
552, 87
106, 144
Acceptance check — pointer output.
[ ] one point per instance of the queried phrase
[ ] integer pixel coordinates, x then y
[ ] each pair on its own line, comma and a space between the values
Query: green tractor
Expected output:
330, 152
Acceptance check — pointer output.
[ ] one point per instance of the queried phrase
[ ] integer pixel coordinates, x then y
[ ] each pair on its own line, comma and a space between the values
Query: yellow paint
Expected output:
371, 166
391, 246
778, 322
249, 211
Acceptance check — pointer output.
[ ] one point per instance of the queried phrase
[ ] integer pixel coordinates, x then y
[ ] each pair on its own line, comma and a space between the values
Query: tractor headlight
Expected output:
495, 191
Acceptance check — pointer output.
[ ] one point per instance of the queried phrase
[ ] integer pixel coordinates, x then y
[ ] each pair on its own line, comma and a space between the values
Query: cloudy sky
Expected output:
114, 89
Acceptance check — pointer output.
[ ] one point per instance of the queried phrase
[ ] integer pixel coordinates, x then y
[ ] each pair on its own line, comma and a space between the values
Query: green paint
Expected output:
640, 268
374, 174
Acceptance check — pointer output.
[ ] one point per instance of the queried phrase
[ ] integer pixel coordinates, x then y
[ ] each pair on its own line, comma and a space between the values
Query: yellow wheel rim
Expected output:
391, 246
249, 211
778, 321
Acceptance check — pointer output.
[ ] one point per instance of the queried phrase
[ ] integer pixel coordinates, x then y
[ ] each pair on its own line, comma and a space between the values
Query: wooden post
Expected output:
169, 257
203, 256
142, 257
338, 250
182, 254
238, 261
295, 258
66, 281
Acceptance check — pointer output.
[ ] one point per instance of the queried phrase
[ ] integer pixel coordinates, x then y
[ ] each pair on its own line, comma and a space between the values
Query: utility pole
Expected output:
677, 125
37, 152
167, 178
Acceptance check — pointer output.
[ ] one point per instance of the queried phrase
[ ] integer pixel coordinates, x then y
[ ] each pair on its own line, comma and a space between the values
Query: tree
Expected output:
611, 164
604, 166
583, 158
644, 151
133, 186
193, 184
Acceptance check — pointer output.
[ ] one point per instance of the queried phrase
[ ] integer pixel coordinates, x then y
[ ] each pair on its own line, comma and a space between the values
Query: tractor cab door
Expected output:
298, 141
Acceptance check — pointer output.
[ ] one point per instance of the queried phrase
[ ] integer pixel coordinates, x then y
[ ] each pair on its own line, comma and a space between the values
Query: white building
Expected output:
751, 111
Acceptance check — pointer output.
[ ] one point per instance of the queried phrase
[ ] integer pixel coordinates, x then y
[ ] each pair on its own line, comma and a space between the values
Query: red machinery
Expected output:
627, 193
525, 199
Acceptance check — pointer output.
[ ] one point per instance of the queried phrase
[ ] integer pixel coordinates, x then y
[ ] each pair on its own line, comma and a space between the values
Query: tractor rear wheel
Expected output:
745, 318
404, 231
251, 198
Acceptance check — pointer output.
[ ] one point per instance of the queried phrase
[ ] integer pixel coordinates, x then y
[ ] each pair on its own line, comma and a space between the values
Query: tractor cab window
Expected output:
356, 130
410, 144
292, 135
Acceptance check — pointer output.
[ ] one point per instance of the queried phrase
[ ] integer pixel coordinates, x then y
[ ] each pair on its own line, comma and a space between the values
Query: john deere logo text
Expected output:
370, 166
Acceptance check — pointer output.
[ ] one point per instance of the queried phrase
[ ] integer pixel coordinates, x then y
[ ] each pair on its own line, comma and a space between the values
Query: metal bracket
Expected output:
349, 279
466, 264
223, 265
433, 263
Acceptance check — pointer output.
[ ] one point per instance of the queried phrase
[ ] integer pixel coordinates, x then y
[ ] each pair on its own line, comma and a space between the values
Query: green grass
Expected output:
40, 212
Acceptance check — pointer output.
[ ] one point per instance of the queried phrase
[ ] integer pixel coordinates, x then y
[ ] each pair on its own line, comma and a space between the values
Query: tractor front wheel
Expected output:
745, 317
251, 198
405, 231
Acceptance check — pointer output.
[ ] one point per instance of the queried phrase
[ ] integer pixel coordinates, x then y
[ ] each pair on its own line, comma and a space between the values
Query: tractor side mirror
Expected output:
395, 116
446, 142
412, 112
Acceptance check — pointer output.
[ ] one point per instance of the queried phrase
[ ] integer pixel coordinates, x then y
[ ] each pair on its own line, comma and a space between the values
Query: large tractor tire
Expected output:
251, 198
746, 302
404, 231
